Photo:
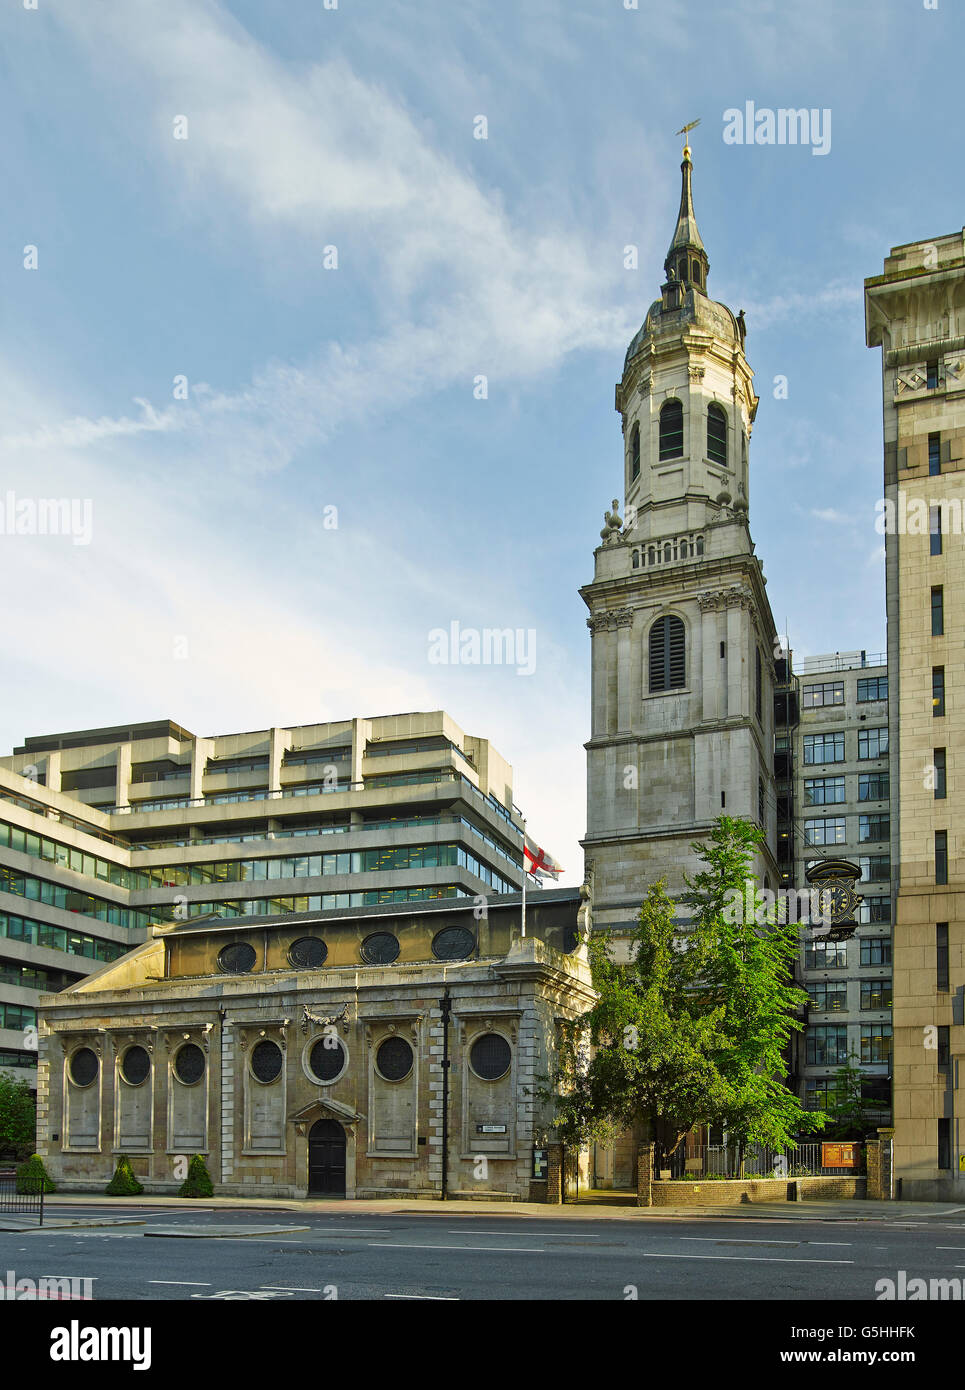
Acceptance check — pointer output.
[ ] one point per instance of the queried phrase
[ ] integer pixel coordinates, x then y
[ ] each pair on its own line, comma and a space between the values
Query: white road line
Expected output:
720, 1240
489, 1249
950, 1247
183, 1283
764, 1259
832, 1242
550, 1235
426, 1297
288, 1288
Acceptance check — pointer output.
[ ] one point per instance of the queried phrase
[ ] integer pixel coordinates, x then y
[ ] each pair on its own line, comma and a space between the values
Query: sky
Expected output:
314, 311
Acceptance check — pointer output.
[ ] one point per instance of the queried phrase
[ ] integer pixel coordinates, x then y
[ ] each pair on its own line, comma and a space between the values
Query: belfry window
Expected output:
635, 453
671, 430
667, 654
717, 435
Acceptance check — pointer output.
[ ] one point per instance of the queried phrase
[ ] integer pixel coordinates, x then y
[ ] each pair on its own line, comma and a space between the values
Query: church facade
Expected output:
683, 640
367, 1053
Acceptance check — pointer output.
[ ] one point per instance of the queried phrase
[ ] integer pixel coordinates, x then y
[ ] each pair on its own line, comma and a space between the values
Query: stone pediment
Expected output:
322, 1108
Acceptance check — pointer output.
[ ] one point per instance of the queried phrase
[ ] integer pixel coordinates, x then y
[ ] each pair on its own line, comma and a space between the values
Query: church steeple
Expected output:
686, 262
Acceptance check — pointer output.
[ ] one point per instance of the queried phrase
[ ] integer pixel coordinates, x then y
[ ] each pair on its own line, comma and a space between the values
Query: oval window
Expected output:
490, 1056
382, 948
266, 1061
394, 1059
308, 953
237, 959
83, 1066
136, 1065
189, 1064
327, 1059
453, 943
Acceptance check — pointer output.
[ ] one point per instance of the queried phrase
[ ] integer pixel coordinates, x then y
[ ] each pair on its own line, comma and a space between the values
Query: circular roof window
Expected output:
453, 943
382, 948
308, 953
237, 959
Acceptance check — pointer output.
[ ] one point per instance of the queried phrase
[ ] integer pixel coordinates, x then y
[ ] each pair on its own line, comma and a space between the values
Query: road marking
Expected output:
183, 1283
773, 1259
950, 1247
430, 1297
718, 1240
516, 1233
834, 1242
489, 1249
289, 1288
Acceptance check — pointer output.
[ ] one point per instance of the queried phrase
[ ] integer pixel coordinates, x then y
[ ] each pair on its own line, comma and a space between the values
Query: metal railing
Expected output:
21, 1203
709, 1161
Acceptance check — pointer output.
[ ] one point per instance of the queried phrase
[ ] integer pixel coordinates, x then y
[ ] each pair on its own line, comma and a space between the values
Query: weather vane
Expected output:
685, 130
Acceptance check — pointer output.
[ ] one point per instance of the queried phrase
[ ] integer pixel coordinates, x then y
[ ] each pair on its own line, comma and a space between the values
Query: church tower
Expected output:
683, 641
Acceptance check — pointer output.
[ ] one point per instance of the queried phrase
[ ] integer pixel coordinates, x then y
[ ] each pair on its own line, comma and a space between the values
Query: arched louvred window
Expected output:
635, 453
700, 545
683, 550
668, 667
695, 272
717, 435
671, 430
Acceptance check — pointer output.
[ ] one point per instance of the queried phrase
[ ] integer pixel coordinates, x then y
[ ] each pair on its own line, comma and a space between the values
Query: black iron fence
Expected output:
25, 1198
709, 1161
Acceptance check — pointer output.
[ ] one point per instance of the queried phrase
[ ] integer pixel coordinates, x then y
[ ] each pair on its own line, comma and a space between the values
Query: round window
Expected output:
380, 949
237, 959
189, 1064
394, 1059
327, 1058
453, 943
490, 1056
308, 953
136, 1065
266, 1061
83, 1066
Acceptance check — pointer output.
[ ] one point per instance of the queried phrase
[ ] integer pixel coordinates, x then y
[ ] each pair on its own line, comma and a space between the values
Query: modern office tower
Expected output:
915, 312
105, 831
682, 635
841, 803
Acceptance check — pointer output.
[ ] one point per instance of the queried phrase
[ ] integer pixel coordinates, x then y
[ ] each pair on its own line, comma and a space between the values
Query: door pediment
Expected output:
321, 1108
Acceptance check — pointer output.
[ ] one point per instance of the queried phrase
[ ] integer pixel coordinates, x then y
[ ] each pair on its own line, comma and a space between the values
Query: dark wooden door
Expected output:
326, 1158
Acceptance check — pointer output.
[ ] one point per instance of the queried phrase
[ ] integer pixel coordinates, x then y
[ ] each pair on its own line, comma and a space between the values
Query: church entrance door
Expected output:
326, 1158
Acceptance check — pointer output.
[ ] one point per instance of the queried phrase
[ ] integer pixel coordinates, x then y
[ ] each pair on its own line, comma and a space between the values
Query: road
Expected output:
416, 1255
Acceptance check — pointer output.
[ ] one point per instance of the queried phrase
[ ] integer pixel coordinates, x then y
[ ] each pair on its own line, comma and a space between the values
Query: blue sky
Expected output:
212, 591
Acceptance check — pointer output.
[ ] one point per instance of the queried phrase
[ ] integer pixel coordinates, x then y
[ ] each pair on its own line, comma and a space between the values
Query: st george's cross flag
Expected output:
537, 861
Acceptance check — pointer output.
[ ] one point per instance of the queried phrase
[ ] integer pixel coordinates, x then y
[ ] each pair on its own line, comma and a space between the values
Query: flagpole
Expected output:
525, 876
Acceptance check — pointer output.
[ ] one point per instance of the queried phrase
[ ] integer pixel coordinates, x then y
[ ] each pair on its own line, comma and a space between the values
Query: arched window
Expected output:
717, 435
636, 559
671, 430
651, 556
667, 654
758, 683
700, 545
695, 272
683, 550
635, 453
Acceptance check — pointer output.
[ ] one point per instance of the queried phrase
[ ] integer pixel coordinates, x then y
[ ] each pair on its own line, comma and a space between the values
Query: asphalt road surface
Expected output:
409, 1255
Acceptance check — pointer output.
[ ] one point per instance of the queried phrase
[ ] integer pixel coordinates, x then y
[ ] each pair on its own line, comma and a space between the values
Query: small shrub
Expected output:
124, 1183
32, 1175
198, 1182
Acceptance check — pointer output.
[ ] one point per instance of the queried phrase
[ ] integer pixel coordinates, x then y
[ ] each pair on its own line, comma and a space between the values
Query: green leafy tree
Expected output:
18, 1116
32, 1175
198, 1182
745, 964
124, 1183
849, 1112
653, 1040
693, 1030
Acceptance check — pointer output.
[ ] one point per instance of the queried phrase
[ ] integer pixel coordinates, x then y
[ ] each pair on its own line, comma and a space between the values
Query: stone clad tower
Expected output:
682, 633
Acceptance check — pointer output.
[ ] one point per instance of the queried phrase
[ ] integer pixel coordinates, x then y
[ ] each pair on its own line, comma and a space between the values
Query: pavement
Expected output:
57, 1208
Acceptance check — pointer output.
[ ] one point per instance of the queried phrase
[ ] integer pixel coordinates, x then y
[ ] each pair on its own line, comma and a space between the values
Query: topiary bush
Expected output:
32, 1176
124, 1182
198, 1182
